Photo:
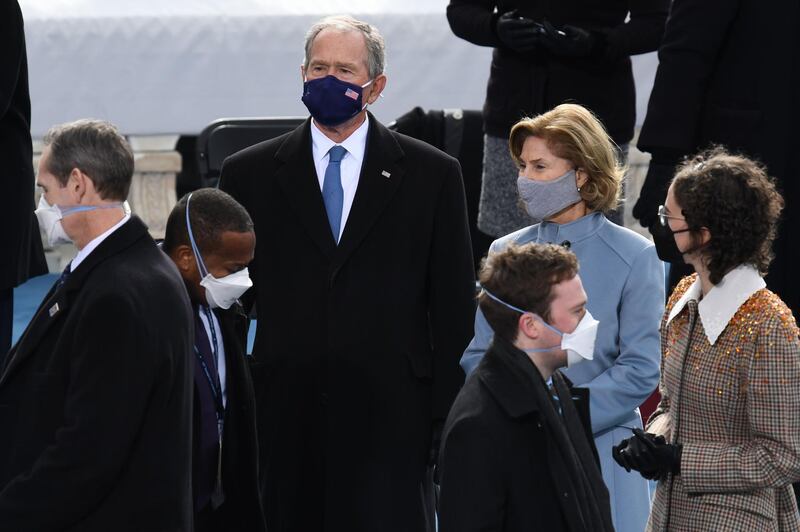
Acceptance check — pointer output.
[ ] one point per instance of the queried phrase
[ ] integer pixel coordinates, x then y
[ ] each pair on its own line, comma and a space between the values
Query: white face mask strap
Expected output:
198, 258
517, 309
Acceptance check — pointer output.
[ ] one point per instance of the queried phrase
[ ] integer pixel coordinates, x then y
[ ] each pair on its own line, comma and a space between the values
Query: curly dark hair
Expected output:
734, 198
523, 276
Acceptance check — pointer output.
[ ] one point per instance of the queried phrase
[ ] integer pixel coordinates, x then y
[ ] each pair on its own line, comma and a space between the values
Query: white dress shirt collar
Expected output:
88, 248
355, 144
723, 300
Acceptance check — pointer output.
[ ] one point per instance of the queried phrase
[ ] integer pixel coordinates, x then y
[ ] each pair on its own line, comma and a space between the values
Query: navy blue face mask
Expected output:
332, 101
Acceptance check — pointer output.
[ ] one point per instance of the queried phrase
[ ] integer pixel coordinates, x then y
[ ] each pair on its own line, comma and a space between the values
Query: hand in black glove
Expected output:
648, 454
518, 33
569, 41
653, 193
626, 455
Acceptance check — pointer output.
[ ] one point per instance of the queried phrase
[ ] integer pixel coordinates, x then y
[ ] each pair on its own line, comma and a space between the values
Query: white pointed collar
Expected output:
723, 300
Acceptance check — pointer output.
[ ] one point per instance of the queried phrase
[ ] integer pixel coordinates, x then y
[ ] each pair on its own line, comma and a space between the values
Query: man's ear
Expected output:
529, 326
377, 87
183, 257
78, 184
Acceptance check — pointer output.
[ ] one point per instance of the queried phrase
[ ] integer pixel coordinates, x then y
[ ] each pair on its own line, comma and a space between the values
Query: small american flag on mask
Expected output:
350, 93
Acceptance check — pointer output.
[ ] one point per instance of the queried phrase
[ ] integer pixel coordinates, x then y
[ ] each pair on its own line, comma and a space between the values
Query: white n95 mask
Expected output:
49, 217
224, 291
221, 292
579, 344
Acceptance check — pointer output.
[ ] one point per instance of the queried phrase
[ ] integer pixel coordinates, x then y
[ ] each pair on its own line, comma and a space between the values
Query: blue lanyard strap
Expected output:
214, 342
214, 384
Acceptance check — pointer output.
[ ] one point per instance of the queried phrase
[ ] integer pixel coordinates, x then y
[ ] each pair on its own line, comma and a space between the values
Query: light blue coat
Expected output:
624, 281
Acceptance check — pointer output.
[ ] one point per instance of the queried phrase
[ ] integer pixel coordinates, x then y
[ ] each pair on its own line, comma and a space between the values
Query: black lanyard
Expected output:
214, 384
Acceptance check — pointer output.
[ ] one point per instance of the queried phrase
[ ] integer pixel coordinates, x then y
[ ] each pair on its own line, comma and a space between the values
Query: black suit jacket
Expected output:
95, 398
21, 254
241, 510
358, 344
494, 468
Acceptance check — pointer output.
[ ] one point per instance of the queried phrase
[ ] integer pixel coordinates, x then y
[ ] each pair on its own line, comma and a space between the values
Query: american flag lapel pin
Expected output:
53, 310
386, 174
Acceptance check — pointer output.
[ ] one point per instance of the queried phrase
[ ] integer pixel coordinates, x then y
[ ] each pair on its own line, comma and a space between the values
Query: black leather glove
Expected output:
625, 452
653, 193
569, 41
648, 454
518, 33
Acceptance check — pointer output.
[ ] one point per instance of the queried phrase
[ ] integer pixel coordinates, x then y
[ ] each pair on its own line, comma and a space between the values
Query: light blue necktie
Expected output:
332, 191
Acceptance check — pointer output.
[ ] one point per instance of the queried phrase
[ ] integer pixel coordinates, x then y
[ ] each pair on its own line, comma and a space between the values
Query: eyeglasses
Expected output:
663, 216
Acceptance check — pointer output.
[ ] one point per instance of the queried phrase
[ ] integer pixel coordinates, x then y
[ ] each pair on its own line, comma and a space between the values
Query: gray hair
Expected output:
376, 47
97, 149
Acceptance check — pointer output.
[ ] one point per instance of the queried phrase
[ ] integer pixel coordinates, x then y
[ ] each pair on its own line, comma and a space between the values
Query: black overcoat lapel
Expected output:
298, 180
381, 175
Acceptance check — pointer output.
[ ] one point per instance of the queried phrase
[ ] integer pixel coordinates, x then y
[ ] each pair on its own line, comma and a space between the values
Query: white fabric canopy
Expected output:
173, 66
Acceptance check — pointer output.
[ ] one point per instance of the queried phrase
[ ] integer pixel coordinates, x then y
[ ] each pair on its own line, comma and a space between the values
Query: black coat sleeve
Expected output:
451, 285
696, 31
471, 479
233, 181
642, 32
111, 379
11, 50
474, 21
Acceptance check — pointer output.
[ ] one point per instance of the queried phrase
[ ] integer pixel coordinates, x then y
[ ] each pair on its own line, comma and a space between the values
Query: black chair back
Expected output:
226, 136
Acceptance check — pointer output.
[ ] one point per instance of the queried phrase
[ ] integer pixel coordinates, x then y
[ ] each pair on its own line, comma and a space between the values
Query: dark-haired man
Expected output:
95, 398
210, 239
518, 455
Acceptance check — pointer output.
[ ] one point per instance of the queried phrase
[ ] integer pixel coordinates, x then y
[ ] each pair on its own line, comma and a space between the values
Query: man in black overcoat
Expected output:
226, 495
518, 452
21, 254
363, 285
96, 397
728, 74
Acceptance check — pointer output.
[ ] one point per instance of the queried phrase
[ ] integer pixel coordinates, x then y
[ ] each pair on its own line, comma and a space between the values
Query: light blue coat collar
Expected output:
581, 229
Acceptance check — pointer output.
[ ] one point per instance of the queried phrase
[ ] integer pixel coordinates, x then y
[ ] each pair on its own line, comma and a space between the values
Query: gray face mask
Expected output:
543, 199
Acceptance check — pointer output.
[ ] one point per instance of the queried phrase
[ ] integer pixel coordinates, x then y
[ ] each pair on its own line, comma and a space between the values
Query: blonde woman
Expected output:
570, 176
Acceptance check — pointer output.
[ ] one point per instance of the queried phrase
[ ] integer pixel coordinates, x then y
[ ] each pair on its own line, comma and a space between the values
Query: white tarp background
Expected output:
173, 66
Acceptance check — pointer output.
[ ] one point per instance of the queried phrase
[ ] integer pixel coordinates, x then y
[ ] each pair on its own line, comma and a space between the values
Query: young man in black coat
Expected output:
364, 288
518, 452
95, 398
210, 239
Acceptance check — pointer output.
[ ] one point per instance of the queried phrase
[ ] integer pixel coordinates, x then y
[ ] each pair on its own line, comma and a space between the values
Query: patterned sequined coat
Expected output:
738, 418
